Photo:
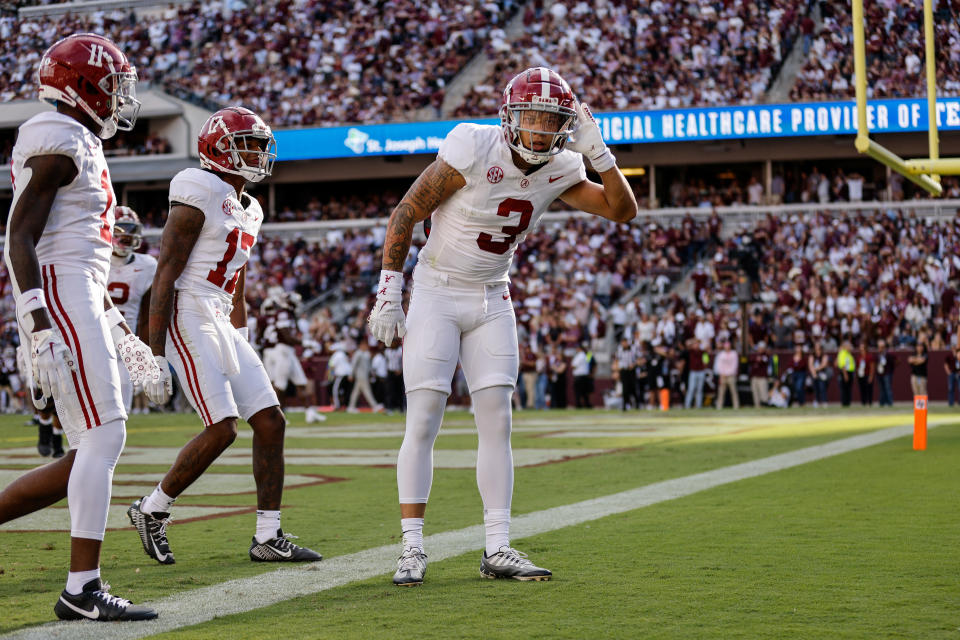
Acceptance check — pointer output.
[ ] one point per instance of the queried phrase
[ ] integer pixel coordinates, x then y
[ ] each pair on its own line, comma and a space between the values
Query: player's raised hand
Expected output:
386, 321
587, 140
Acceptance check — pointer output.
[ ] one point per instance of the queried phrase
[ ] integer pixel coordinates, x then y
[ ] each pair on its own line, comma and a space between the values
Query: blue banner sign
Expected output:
629, 127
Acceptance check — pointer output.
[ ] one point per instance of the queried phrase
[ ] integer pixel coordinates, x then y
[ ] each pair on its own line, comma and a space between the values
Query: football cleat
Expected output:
94, 603
411, 565
152, 528
57, 442
510, 563
280, 549
45, 439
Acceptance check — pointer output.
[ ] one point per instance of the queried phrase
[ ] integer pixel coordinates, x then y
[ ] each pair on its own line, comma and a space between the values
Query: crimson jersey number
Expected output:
218, 276
119, 292
511, 205
106, 232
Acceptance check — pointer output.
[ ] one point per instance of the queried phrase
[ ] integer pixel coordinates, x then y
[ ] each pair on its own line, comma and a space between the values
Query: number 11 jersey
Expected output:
230, 229
475, 233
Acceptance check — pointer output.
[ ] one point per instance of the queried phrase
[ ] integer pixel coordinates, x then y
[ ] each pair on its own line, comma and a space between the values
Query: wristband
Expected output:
391, 286
27, 302
604, 162
244, 333
114, 317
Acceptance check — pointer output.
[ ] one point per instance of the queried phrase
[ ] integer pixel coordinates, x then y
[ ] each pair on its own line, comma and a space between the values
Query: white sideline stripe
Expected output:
246, 594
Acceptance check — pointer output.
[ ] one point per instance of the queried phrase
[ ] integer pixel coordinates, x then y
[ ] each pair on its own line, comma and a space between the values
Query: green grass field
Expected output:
864, 544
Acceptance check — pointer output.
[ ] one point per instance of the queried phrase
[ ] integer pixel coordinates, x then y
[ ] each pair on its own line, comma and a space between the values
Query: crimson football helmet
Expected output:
232, 133
539, 90
88, 71
127, 232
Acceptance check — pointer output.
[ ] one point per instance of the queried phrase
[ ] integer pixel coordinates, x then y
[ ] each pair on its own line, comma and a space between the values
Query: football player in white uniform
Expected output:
198, 317
486, 190
131, 276
58, 254
279, 346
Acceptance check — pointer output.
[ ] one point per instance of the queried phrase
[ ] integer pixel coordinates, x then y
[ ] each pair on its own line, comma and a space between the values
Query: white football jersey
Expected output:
475, 233
130, 278
230, 229
78, 235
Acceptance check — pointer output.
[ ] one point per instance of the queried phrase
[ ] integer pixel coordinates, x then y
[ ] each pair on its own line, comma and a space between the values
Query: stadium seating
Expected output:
647, 55
894, 53
359, 61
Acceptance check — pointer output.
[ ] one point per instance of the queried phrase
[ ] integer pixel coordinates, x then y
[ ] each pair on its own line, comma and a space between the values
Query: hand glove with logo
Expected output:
386, 320
159, 385
52, 362
137, 358
587, 140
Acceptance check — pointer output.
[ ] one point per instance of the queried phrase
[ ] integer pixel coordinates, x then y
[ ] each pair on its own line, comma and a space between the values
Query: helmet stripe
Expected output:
544, 82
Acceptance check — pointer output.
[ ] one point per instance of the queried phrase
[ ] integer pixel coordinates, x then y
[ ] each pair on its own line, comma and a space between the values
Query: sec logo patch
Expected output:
494, 175
228, 207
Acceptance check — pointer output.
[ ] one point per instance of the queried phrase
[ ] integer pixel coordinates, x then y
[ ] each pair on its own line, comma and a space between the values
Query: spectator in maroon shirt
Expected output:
951, 367
798, 376
759, 366
866, 372
698, 361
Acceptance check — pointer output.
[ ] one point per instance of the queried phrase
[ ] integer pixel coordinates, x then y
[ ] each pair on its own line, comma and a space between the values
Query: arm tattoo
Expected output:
437, 183
179, 237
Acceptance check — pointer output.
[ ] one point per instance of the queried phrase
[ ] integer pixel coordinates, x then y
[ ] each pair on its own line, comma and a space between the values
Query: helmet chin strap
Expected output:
108, 128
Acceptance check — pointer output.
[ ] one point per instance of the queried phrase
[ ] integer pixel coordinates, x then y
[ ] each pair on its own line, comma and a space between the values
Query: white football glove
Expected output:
137, 358
25, 367
386, 320
159, 384
52, 363
587, 140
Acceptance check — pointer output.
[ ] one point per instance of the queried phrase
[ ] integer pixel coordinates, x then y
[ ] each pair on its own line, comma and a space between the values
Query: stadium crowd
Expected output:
662, 54
296, 63
811, 278
363, 62
894, 52
887, 280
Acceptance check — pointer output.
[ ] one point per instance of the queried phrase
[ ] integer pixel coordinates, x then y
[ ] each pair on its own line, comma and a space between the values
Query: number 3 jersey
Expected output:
475, 233
78, 234
230, 229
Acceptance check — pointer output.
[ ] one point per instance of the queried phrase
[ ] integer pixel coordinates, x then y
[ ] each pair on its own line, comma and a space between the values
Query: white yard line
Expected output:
194, 606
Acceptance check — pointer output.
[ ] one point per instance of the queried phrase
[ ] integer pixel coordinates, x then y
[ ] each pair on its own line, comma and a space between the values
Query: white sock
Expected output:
76, 580
157, 502
268, 524
412, 532
497, 525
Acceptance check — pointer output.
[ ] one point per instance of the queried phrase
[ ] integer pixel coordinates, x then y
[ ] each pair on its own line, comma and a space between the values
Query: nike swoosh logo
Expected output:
137, 270
93, 614
286, 554
554, 178
506, 296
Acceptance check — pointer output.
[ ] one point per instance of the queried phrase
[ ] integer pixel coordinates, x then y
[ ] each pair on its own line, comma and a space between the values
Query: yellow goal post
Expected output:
925, 172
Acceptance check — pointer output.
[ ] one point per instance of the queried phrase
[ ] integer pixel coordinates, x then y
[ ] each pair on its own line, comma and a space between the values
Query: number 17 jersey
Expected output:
475, 232
230, 229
